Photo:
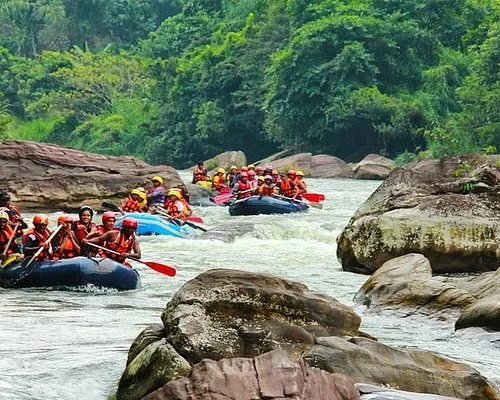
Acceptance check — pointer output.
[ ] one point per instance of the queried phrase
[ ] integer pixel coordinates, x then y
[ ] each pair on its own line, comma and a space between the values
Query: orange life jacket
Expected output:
287, 188
130, 205
300, 185
5, 236
173, 210
122, 245
81, 231
266, 190
187, 208
41, 238
66, 245
242, 187
199, 174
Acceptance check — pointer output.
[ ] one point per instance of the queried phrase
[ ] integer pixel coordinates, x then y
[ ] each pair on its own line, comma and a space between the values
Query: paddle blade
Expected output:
222, 198
195, 218
161, 268
315, 205
314, 196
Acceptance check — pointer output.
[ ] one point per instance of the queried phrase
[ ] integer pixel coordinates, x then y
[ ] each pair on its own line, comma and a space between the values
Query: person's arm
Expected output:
136, 251
105, 237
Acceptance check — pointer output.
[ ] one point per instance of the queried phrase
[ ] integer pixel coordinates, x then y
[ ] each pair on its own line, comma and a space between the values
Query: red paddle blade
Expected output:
222, 198
314, 197
161, 268
195, 218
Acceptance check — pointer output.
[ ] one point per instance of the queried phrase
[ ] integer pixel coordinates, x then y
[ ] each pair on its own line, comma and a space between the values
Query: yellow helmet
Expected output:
234, 167
299, 173
157, 178
260, 178
175, 193
251, 166
4, 215
221, 171
136, 191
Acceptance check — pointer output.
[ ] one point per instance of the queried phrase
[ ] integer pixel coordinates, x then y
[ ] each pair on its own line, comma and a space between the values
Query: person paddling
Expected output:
156, 196
84, 225
243, 188
123, 241
218, 179
300, 184
108, 224
268, 187
36, 237
64, 242
286, 187
200, 173
132, 202
14, 215
7, 245
174, 205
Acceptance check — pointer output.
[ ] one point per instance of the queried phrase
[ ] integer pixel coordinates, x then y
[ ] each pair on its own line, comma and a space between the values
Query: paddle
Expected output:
161, 268
195, 218
221, 199
27, 271
311, 203
315, 197
178, 221
14, 230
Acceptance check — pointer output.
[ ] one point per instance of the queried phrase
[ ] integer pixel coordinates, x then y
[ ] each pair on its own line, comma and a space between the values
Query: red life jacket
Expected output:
68, 247
266, 190
242, 187
5, 236
130, 205
122, 245
81, 231
287, 188
199, 174
41, 238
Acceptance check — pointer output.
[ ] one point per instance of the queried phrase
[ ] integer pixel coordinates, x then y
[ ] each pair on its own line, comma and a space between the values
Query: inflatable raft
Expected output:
256, 205
72, 272
152, 224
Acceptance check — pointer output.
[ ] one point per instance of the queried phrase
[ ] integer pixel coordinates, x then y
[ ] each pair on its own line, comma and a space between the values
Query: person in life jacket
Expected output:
174, 205
187, 210
244, 188
230, 176
259, 170
143, 202
252, 177
276, 176
131, 202
218, 179
36, 237
14, 215
156, 196
64, 242
268, 188
300, 184
84, 225
123, 241
108, 224
200, 173
6, 232
286, 187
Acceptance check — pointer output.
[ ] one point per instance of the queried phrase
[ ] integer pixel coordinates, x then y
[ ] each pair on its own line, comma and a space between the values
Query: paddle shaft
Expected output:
179, 221
49, 239
317, 205
14, 230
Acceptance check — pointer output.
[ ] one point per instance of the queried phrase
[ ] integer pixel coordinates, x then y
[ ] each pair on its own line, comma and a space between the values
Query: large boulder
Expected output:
51, 177
373, 166
271, 376
446, 210
225, 160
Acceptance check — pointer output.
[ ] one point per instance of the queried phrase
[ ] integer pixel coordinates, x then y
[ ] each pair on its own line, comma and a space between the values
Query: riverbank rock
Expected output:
42, 176
271, 376
373, 166
407, 283
225, 160
229, 314
446, 210
371, 392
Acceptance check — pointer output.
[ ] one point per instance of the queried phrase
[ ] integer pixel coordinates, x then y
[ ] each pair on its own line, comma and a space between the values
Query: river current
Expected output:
73, 344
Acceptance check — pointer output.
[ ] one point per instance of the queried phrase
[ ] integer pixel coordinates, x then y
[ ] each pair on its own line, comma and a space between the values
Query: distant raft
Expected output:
152, 224
71, 272
256, 205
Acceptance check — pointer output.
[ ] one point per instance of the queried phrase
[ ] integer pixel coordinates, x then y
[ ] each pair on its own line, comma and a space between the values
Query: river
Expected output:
69, 344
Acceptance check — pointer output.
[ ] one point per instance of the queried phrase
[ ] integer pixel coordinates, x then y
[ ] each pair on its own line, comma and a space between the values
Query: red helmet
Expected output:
40, 219
129, 223
108, 215
243, 169
268, 177
259, 169
251, 173
64, 218
275, 172
243, 175
291, 172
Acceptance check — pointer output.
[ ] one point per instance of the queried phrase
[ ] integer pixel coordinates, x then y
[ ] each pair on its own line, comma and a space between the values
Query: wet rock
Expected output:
199, 196
429, 209
269, 376
50, 177
368, 361
371, 392
373, 166
326, 166
484, 313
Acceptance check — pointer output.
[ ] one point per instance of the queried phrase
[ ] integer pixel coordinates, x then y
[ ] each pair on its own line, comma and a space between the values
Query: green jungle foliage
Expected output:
178, 81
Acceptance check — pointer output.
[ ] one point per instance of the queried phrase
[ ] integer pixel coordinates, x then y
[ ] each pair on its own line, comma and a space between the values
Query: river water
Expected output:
69, 344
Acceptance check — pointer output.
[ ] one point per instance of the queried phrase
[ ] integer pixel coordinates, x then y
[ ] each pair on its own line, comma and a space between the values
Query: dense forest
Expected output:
177, 81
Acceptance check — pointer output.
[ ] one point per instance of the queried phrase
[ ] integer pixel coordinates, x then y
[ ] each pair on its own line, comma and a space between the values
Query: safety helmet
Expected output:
84, 208
268, 177
234, 167
291, 172
251, 173
299, 173
244, 169
244, 174
158, 179
108, 215
261, 178
137, 192
40, 219
259, 169
221, 171
251, 166
130, 223
64, 218
4, 196
269, 167
175, 193
4, 215
274, 172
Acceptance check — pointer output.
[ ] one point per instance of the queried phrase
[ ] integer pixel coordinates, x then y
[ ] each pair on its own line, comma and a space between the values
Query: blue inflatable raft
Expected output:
152, 224
72, 272
256, 205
